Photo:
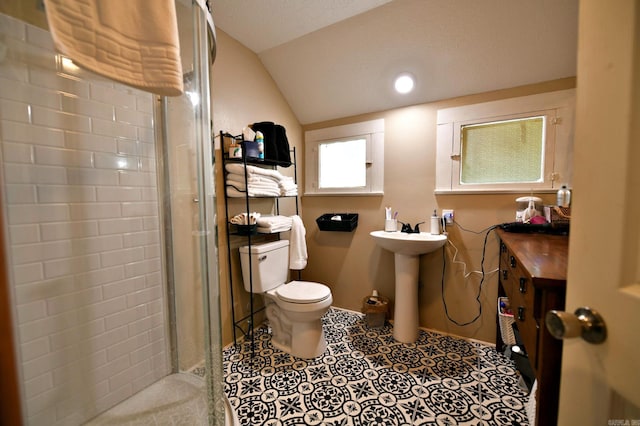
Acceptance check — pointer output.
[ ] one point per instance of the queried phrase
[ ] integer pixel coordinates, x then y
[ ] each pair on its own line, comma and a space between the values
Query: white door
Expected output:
600, 384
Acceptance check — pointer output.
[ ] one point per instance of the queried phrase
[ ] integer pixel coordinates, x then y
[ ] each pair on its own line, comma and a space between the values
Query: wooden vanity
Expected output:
533, 270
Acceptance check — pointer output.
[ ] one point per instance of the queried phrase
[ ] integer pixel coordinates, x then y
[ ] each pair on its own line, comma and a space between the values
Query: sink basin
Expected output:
407, 249
409, 244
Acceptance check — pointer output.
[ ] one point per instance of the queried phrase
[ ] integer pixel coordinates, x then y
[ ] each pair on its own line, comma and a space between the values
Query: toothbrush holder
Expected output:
391, 225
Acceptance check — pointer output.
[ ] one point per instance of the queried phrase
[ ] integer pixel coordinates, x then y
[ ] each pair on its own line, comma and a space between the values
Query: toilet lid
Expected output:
303, 292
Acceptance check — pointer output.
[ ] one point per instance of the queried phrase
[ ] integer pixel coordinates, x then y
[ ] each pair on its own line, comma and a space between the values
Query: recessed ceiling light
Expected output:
404, 83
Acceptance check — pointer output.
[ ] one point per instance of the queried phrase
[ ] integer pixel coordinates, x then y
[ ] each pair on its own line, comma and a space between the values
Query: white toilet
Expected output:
294, 309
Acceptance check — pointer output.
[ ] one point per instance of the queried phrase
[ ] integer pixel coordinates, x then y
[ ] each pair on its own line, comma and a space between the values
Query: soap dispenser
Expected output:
435, 224
564, 196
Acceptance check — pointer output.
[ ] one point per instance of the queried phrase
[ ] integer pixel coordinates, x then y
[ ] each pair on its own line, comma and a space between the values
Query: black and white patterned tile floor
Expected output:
367, 378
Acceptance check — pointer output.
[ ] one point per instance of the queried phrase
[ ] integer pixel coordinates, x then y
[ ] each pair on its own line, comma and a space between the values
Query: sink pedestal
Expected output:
407, 249
405, 324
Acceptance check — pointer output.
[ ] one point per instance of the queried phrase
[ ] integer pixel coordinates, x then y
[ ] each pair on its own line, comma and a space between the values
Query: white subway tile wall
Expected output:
80, 197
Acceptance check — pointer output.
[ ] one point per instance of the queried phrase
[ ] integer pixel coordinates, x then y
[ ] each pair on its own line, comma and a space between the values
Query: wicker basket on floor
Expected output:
375, 313
505, 320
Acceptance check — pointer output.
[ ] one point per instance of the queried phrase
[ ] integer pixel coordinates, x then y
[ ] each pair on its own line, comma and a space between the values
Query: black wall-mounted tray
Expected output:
329, 222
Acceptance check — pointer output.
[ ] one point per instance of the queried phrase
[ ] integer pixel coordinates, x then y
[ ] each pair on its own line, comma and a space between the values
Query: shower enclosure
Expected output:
109, 224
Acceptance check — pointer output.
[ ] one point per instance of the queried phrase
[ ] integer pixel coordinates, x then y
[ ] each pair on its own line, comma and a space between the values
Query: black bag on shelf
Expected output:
276, 144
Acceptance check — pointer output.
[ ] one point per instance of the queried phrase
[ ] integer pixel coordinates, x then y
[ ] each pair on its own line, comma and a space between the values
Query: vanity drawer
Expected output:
518, 287
523, 313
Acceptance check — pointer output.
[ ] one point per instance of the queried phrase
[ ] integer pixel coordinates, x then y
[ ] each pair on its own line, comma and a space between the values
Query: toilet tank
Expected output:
269, 265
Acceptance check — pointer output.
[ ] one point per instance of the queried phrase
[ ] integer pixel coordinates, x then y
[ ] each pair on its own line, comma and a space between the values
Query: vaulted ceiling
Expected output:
338, 58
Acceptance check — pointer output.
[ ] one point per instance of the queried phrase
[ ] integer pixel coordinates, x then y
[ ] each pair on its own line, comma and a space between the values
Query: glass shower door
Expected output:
188, 167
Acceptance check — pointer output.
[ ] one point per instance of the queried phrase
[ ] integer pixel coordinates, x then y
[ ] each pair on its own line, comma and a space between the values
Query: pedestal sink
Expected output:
407, 249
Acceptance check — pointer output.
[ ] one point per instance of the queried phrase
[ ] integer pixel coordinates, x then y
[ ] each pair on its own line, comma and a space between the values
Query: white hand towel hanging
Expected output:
131, 41
297, 244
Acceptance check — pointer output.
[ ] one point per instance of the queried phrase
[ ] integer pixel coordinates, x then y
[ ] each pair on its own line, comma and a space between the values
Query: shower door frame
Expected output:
204, 47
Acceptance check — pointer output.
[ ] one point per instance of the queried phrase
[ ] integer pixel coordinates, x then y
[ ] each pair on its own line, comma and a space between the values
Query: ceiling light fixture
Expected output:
404, 83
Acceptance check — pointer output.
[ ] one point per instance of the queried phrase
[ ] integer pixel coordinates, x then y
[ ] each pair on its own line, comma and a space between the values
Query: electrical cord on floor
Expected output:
481, 272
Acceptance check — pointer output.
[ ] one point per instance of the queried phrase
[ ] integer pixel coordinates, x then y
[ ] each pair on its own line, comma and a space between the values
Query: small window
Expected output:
510, 151
345, 160
343, 164
513, 145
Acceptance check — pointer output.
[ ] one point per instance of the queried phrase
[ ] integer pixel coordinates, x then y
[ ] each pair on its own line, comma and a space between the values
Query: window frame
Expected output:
547, 156
547, 142
372, 131
558, 108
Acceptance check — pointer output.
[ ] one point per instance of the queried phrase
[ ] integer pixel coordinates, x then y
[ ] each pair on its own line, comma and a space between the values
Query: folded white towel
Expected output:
297, 244
131, 41
252, 178
235, 185
254, 185
264, 185
235, 168
287, 185
273, 229
251, 192
240, 186
234, 177
262, 182
254, 171
274, 220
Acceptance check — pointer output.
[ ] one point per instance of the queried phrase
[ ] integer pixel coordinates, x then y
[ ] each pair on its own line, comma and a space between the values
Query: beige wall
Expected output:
27, 11
243, 93
352, 265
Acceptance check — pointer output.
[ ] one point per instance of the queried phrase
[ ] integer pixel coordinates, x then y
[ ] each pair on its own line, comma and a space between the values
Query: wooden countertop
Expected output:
544, 256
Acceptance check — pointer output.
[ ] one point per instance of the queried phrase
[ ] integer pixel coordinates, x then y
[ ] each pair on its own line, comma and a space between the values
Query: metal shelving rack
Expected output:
237, 323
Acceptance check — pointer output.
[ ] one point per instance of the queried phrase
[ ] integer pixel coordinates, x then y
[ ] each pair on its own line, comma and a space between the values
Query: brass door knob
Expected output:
584, 322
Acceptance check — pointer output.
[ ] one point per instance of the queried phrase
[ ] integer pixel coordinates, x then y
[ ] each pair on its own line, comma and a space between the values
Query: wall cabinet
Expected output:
533, 270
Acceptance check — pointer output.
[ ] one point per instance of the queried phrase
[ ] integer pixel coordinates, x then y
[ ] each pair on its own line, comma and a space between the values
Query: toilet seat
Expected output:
303, 292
